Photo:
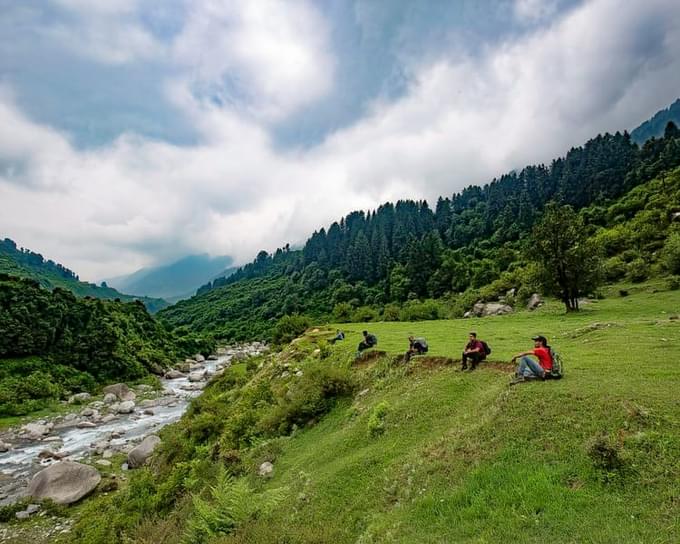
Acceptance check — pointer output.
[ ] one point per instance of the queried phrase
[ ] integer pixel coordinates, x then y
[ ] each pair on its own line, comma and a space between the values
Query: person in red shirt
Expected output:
528, 368
474, 351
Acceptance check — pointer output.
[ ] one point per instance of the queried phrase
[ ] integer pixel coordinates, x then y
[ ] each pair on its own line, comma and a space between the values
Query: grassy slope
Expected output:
466, 459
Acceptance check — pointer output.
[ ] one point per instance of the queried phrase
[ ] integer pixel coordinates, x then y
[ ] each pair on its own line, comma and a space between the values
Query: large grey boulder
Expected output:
173, 374
65, 482
36, 430
199, 358
266, 469
197, 376
481, 309
126, 407
534, 302
79, 398
121, 390
110, 398
139, 455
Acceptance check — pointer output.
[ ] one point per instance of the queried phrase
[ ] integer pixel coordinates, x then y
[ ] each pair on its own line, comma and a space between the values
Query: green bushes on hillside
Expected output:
53, 343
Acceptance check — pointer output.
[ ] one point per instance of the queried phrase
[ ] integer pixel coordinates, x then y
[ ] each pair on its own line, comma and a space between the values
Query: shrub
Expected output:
307, 398
673, 283
415, 310
342, 312
391, 312
364, 314
638, 270
290, 327
671, 253
232, 502
376, 421
614, 269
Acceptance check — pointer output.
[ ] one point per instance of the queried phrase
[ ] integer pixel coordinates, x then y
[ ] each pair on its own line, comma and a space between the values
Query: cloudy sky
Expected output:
133, 132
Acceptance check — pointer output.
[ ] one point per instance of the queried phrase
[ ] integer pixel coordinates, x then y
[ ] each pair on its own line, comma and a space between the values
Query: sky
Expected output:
135, 132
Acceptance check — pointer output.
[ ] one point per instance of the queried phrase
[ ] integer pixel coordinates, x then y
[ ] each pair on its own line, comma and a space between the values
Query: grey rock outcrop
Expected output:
482, 309
139, 455
173, 374
64, 483
534, 302
121, 390
79, 398
126, 407
266, 469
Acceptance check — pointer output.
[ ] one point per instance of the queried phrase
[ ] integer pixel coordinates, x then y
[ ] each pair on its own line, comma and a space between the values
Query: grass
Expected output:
423, 453
465, 458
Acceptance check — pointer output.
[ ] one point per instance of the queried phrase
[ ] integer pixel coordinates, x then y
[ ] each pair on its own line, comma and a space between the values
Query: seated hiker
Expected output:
416, 346
338, 336
474, 352
369, 341
528, 368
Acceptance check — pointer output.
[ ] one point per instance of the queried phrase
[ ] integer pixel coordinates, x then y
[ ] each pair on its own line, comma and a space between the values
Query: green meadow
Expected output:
463, 457
422, 452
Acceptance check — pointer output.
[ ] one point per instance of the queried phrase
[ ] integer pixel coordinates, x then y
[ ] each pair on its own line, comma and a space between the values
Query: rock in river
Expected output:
173, 374
65, 482
121, 390
126, 407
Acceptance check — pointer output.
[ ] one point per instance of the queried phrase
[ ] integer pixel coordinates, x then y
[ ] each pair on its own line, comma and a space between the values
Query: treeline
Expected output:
407, 252
24, 263
53, 343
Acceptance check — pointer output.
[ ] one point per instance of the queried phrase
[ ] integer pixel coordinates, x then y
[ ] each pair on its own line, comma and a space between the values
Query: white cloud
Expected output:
534, 10
605, 66
270, 56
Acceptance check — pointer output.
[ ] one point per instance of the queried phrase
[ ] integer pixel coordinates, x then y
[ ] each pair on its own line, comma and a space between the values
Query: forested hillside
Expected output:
397, 261
25, 263
654, 127
53, 343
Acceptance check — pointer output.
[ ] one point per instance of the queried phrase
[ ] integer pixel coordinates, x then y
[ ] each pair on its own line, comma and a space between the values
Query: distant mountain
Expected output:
654, 127
176, 280
24, 263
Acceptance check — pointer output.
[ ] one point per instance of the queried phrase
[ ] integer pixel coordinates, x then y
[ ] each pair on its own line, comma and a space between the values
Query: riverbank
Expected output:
101, 431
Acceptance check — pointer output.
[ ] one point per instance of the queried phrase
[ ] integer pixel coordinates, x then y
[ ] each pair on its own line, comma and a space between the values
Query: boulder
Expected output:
4, 446
110, 398
64, 483
212, 358
197, 376
481, 309
86, 425
199, 358
36, 430
126, 407
49, 454
79, 398
266, 469
173, 374
108, 418
103, 463
468, 314
195, 366
139, 455
534, 302
121, 390
148, 403
87, 412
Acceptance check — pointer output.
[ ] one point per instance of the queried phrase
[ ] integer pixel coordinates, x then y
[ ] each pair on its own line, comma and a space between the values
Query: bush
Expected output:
638, 271
671, 253
364, 314
342, 312
307, 398
614, 269
376, 421
391, 312
290, 327
415, 310
673, 283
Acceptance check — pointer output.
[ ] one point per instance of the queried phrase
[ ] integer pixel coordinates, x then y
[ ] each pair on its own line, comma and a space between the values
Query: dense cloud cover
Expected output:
238, 74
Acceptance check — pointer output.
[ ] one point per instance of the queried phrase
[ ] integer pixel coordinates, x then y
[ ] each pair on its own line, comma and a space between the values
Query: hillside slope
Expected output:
654, 127
383, 452
24, 263
176, 280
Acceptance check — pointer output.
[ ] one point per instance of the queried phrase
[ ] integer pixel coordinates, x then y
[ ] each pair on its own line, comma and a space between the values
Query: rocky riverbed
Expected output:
100, 428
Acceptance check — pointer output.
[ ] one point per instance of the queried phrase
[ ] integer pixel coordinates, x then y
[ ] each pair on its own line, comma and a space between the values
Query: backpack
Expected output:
487, 349
558, 366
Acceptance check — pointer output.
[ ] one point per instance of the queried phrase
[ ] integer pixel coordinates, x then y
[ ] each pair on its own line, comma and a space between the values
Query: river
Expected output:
22, 461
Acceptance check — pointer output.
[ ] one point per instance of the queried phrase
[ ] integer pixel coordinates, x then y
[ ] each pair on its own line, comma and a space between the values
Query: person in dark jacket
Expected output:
474, 352
369, 341
338, 336
416, 346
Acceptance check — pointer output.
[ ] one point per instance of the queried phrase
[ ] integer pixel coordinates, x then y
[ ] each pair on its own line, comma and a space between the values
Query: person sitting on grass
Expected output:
369, 341
416, 346
528, 369
474, 352
338, 336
